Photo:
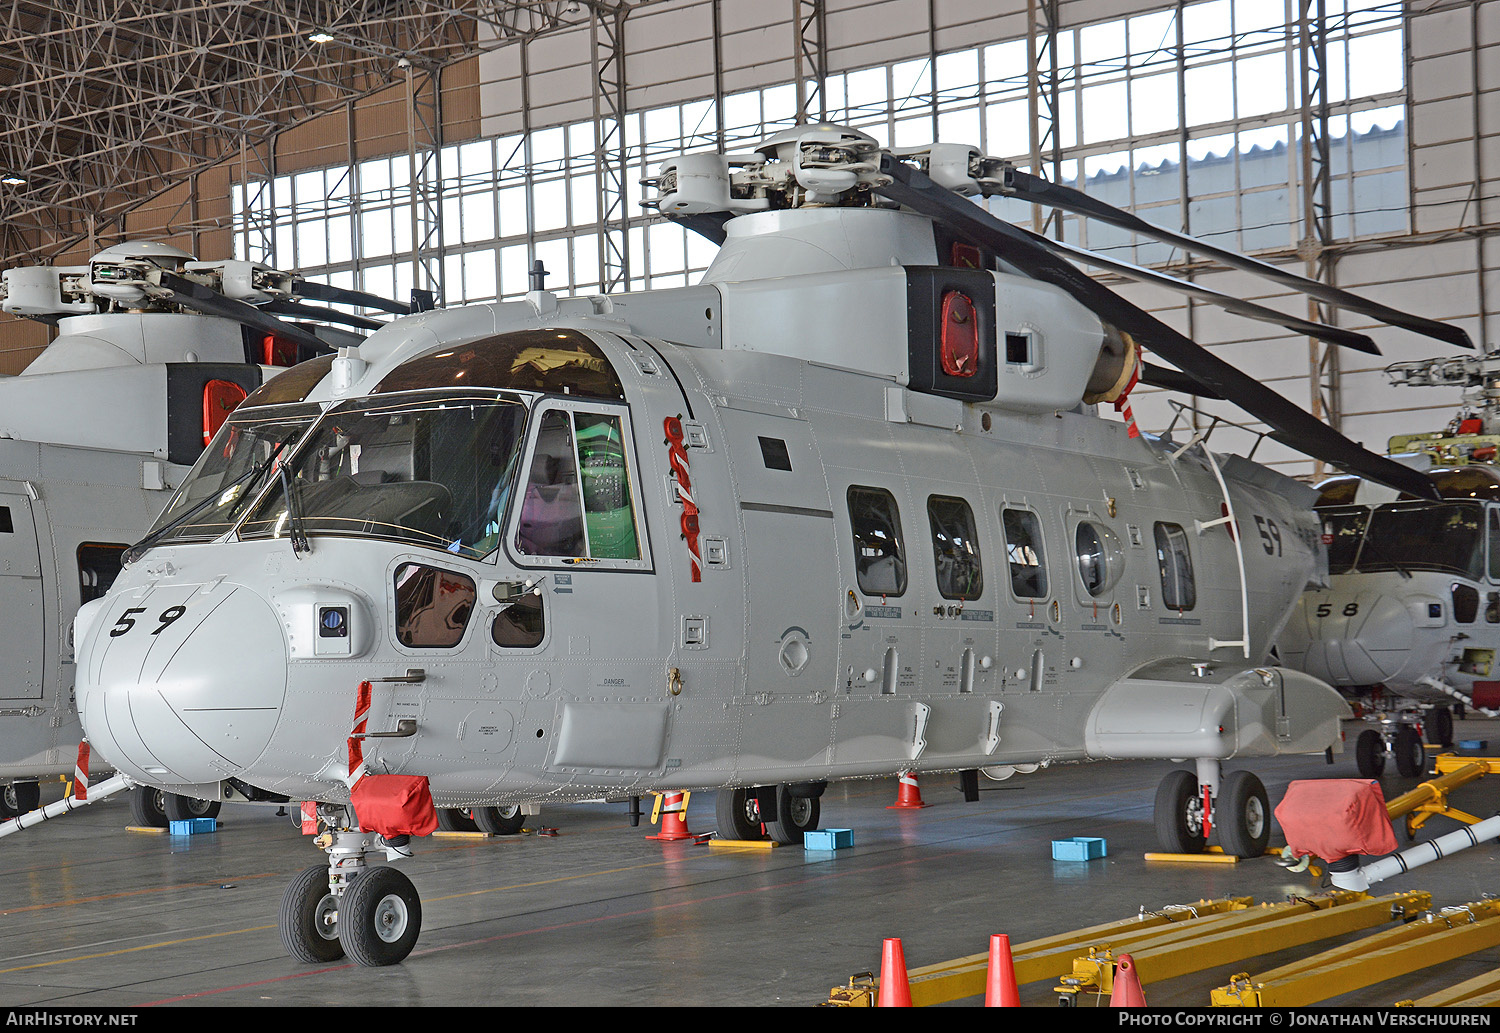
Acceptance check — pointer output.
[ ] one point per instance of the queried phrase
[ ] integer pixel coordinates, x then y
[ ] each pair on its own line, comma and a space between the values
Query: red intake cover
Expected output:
1335, 817
394, 805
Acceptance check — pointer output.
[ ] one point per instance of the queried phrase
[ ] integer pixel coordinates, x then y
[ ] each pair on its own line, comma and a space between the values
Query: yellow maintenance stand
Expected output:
1432, 939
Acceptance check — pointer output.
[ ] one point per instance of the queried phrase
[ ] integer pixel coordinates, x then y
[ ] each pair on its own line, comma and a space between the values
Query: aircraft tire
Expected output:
1369, 754
147, 807
185, 808
1243, 815
452, 819
499, 821
20, 798
1179, 815
380, 918
738, 815
1439, 727
794, 816
1411, 756
309, 918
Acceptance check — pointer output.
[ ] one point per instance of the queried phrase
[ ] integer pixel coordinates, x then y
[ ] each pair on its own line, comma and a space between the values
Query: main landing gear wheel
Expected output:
20, 798
379, 917
1411, 756
183, 808
453, 820
148, 807
1369, 753
499, 821
1179, 814
1242, 814
1440, 727
794, 816
309, 921
738, 814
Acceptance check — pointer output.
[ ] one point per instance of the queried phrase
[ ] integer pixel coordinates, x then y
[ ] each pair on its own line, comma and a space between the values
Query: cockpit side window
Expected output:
879, 556
1023, 550
579, 500
955, 548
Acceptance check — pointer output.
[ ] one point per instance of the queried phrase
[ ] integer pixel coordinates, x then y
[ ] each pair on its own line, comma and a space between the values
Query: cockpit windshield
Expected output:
433, 469
1343, 530
232, 470
1437, 536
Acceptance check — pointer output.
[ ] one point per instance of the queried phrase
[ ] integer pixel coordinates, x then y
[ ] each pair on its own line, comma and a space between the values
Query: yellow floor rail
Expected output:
1244, 934
1431, 939
1045, 958
1483, 991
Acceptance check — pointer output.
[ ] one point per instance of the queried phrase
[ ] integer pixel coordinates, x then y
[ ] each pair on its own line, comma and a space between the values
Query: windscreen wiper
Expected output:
135, 552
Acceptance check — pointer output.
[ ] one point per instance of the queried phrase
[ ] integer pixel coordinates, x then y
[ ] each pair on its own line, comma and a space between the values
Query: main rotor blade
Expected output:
1239, 306
1174, 380
914, 189
329, 315
1026, 187
203, 299
344, 296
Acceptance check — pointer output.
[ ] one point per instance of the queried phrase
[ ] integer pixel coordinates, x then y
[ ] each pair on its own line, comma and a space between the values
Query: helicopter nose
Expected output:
1359, 640
183, 684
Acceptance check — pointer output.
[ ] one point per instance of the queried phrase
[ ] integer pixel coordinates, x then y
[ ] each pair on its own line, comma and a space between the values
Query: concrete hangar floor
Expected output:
96, 916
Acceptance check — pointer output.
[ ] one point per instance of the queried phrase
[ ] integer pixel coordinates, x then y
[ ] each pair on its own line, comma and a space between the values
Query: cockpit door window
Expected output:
580, 499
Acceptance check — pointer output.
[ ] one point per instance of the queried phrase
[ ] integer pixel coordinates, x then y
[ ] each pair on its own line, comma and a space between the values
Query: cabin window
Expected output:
1178, 590
433, 606
1495, 545
578, 496
879, 558
98, 566
1099, 555
955, 550
6, 525
1023, 550
774, 455
521, 625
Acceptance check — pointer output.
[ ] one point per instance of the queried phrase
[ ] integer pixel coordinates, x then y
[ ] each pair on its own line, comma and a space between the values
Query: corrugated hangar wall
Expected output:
1428, 250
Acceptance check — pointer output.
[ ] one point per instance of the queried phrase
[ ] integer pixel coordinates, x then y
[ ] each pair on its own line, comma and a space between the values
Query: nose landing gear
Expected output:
372, 914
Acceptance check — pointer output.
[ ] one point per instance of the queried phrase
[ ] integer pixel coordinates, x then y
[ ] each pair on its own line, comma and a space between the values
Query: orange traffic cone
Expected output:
908, 796
673, 818
1000, 986
1127, 990
894, 991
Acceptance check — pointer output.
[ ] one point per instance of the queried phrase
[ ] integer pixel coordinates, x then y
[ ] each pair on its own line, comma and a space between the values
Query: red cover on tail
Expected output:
1335, 817
394, 805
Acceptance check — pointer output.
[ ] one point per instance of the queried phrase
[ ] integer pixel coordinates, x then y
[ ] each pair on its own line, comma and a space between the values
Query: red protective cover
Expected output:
394, 805
1332, 818
1486, 694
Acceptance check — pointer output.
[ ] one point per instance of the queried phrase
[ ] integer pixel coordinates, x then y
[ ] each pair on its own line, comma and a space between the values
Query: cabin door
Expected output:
790, 568
22, 626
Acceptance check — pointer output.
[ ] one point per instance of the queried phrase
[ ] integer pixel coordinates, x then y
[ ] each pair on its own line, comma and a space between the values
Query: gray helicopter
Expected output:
844, 509
1409, 625
167, 346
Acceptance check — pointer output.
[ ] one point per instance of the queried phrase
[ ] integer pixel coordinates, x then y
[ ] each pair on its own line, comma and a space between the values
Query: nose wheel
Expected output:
346, 908
380, 918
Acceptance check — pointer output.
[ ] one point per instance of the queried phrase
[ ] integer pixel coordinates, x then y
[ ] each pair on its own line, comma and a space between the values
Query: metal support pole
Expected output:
611, 164
811, 58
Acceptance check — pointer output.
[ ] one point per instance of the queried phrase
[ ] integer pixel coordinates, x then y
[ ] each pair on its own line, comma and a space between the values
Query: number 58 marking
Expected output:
126, 621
